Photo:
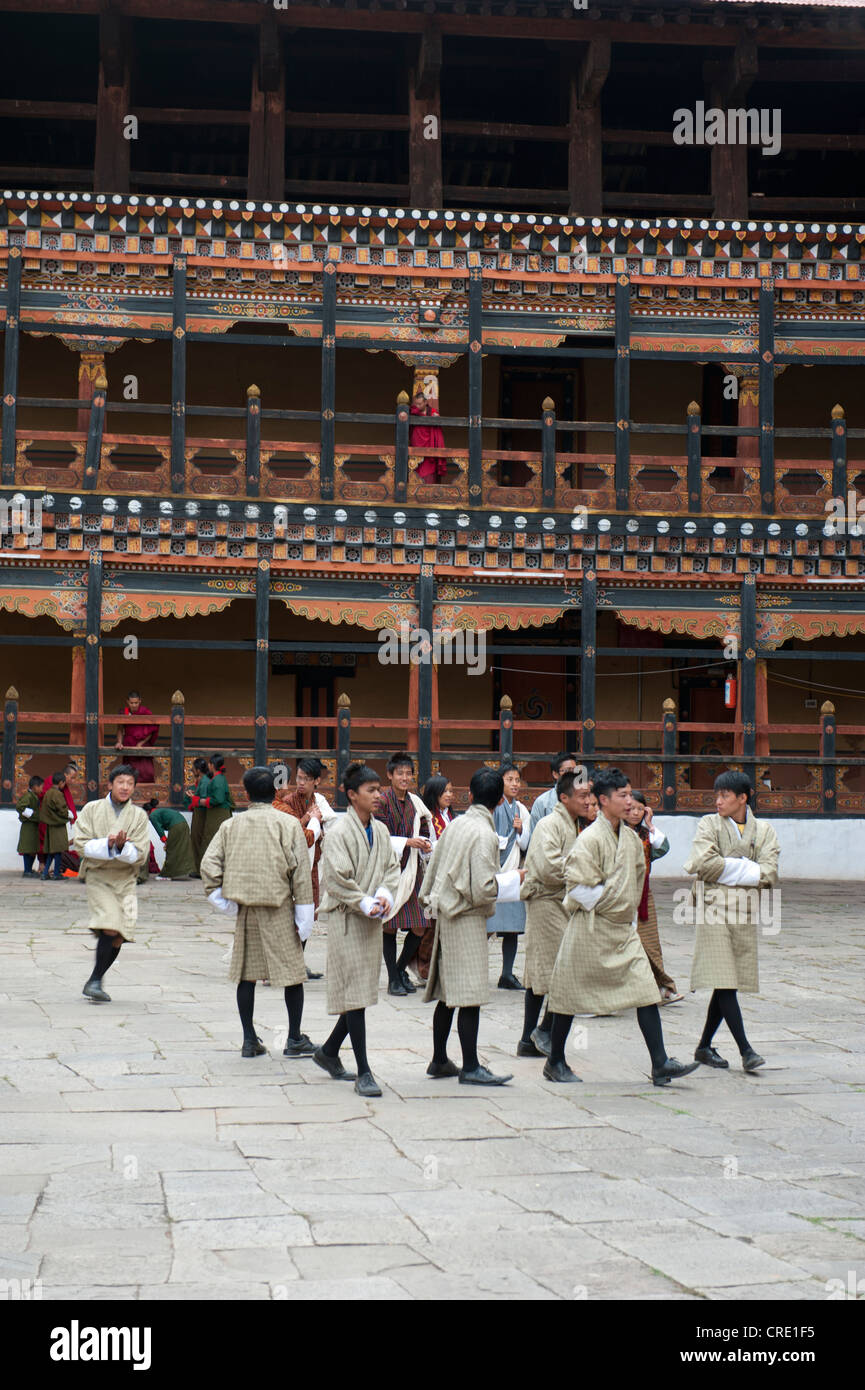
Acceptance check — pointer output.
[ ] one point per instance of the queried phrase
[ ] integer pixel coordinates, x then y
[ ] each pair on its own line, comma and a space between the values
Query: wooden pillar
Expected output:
178, 730
343, 745
588, 658
328, 380
411, 738
91, 366
585, 150
10, 738
695, 458
400, 457
77, 693
10, 365
548, 453
436, 732
262, 658
253, 441
425, 601
506, 729
839, 453
761, 707
669, 723
266, 178
727, 85
95, 427
424, 106
476, 457
767, 395
92, 695
748, 670
111, 166
622, 389
178, 377
828, 729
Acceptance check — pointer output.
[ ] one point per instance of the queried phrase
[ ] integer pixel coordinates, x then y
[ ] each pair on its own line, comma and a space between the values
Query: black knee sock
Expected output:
713, 1021
388, 950
729, 1006
468, 1023
442, 1020
246, 1007
532, 1014
106, 955
560, 1027
294, 1004
546, 1022
356, 1020
409, 950
337, 1038
510, 941
649, 1019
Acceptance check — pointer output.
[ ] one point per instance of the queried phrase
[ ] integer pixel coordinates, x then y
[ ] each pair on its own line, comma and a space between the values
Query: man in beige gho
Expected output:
259, 861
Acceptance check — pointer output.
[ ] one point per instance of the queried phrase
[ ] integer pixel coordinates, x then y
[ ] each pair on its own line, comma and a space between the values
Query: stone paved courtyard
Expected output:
142, 1157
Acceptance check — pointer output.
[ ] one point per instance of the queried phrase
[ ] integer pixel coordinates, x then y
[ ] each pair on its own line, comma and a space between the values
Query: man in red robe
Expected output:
134, 734
432, 470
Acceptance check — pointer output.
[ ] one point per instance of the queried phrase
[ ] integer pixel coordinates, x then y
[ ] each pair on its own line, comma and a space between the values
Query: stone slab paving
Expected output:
142, 1158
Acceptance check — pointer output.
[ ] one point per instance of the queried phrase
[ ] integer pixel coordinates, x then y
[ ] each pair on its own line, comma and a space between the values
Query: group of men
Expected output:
571, 874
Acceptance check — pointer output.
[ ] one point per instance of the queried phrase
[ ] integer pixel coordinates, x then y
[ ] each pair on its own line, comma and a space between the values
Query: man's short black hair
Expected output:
608, 780
122, 770
133, 695
258, 783
508, 767
400, 760
566, 784
487, 787
313, 767
738, 782
560, 758
35, 781
358, 775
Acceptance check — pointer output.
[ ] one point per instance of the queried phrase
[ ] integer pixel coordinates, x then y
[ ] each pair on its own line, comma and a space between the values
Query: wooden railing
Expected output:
809, 782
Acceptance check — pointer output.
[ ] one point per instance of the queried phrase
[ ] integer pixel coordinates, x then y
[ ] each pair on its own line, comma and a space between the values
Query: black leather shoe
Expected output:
662, 1076
528, 1049
559, 1071
710, 1057
396, 986
313, 974
366, 1085
301, 1047
29, 874
407, 984
93, 990
509, 982
482, 1077
439, 1069
332, 1065
252, 1047
541, 1041
751, 1060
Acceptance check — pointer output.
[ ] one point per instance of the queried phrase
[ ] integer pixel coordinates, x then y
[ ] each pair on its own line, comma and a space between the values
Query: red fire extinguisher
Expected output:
730, 688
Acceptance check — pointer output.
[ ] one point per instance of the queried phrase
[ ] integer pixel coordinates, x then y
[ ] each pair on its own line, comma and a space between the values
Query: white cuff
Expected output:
315, 826
366, 905
304, 917
97, 849
399, 843
740, 873
129, 854
503, 841
383, 893
221, 903
509, 886
27, 812
586, 897
656, 836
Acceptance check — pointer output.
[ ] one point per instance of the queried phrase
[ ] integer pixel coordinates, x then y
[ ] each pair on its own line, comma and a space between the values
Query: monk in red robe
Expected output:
133, 733
432, 470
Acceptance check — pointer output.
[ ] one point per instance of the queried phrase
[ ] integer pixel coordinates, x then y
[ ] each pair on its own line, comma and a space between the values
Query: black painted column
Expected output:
748, 670
695, 458
262, 658
767, 395
178, 378
828, 728
475, 388
343, 746
425, 600
622, 387
588, 658
548, 453
328, 380
253, 441
178, 731
839, 454
400, 458
10, 738
10, 365
91, 675
669, 724
96, 425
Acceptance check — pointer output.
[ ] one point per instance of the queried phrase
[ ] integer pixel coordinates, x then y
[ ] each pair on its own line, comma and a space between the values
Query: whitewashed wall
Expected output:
9, 827
830, 849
